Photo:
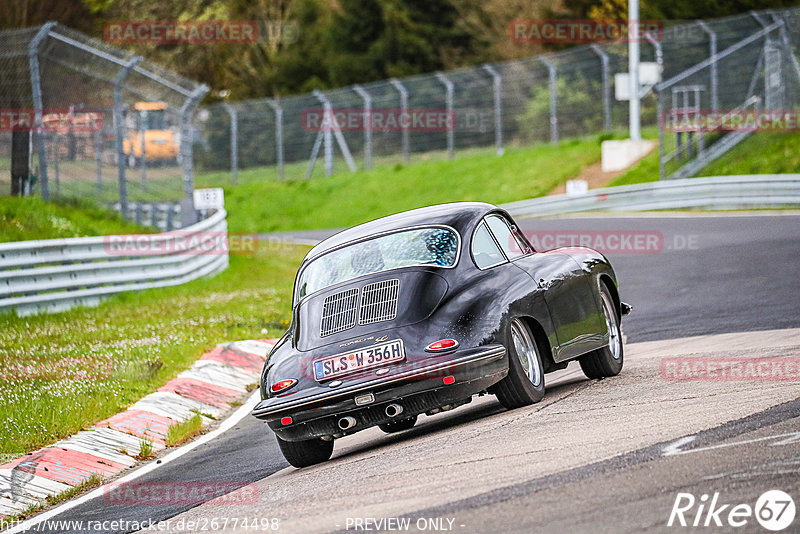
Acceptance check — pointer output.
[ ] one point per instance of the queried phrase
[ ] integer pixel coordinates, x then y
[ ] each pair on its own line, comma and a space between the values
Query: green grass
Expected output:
182, 432
761, 153
26, 218
61, 373
268, 205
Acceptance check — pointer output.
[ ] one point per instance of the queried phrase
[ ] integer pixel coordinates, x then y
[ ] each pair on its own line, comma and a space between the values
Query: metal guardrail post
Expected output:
119, 133
552, 75
404, 110
367, 124
234, 115
187, 111
606, 86
448, 86
497, 86
712, 52
36, 93
278, 134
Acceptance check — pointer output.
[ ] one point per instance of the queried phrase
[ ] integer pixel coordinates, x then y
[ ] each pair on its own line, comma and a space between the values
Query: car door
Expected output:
567, 290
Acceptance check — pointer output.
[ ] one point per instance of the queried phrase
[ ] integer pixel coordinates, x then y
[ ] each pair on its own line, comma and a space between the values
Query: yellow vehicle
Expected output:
150, 138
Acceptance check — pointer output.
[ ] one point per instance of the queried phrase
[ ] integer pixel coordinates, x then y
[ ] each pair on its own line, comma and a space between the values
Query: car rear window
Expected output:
433, 246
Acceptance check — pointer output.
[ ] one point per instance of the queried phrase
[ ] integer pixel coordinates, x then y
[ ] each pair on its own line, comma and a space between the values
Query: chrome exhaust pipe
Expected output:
347, 422
393, 410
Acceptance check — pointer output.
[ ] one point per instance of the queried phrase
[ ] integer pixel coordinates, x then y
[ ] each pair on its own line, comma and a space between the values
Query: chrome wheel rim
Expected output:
525, 348
614, 338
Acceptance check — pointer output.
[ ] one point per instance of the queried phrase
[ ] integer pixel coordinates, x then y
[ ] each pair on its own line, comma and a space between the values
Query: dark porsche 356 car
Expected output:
417, 312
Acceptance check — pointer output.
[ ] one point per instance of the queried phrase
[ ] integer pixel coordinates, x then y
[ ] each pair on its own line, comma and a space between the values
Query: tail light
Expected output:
283, 385
443, 345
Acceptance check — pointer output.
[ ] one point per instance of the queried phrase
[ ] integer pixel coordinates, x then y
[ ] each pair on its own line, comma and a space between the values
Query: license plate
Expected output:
349, 362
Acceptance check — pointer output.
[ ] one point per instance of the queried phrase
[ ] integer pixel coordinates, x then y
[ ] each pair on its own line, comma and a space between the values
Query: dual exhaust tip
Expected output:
348, 422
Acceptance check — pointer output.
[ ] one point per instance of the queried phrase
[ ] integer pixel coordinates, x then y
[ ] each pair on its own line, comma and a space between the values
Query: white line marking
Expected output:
674, 448
240, 413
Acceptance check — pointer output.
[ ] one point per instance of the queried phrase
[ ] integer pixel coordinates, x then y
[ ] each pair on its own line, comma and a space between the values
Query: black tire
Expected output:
524, 384
398, 425
608, 360
306, 453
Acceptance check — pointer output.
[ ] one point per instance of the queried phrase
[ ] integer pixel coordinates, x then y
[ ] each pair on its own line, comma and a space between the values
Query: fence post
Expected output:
606, 87
234, 115
404, 110
552, 74
143, 162
36, 93
278, 134
787, 44
660, 113
712, 51
448, 85
187, 111
367, 125
119, 133
98, 154
337, 132
497, 83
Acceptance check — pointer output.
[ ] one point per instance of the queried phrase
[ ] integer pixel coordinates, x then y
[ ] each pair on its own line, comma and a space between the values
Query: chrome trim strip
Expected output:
497, 352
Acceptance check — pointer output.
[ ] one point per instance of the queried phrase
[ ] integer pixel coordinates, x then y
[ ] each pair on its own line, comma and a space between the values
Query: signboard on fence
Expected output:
212, 198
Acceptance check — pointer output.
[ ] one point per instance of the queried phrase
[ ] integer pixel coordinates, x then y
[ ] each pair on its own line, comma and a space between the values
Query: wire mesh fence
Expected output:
81, 118
539, 99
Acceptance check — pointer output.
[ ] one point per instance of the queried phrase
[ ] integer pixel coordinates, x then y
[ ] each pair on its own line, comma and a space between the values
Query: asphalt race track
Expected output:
613, 455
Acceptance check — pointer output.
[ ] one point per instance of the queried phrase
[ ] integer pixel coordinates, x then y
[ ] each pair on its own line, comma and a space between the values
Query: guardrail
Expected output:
717, 193
57, 274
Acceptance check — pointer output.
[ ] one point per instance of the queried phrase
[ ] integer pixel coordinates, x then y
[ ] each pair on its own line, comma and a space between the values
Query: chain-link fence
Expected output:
544, 98
84, 119
750, 84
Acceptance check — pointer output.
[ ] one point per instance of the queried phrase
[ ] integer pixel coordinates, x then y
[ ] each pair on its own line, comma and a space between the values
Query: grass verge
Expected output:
345, 199
27, 218
61, 373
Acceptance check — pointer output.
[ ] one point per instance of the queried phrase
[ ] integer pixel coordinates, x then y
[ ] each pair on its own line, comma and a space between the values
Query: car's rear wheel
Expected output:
398, 425
307, 452
524, 383
606, 361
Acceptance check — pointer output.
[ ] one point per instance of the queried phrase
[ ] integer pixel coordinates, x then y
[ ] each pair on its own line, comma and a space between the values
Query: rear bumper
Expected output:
418, 391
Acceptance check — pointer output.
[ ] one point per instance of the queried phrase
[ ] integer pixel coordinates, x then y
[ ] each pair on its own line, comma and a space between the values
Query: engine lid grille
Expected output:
339, 312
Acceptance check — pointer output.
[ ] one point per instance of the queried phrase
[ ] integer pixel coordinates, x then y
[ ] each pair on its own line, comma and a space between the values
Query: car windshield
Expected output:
407, 248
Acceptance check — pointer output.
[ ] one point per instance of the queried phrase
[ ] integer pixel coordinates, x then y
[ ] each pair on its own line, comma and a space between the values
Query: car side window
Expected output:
484, 249
507, 240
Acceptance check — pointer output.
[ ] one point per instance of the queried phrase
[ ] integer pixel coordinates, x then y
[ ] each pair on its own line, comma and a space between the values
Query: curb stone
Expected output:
209, 387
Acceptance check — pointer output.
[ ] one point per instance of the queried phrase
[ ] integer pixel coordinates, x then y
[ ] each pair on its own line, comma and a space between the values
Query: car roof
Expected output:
457, 215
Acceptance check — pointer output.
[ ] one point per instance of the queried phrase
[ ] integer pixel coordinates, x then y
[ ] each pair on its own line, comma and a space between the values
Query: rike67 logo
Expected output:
774, 510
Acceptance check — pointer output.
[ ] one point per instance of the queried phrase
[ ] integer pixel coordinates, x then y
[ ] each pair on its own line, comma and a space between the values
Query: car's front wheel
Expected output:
307, 452
606, 361
398, 425
524, 384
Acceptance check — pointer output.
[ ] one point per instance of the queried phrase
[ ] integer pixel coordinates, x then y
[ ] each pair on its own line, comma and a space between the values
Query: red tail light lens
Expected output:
285, 421
449, 380
443, 345
283, 385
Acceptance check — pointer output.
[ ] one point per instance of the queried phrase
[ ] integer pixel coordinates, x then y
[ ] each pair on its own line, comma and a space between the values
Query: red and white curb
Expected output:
208, 388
